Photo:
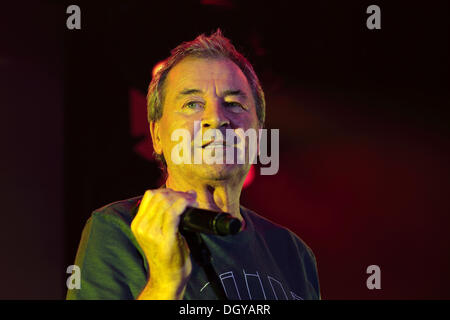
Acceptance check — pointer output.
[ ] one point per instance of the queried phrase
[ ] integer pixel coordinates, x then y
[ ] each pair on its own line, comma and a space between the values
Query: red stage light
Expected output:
250, 177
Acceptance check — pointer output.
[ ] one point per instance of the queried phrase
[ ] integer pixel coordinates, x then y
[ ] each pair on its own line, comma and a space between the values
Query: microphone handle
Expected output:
209, 222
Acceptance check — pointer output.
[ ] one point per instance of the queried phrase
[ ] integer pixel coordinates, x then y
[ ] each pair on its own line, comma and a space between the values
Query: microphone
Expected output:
210, 222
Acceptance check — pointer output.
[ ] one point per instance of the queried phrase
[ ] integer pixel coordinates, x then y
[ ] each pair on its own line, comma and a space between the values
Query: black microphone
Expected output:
206, 221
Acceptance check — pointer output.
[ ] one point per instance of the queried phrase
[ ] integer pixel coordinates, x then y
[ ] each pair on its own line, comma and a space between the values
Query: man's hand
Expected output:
156, 230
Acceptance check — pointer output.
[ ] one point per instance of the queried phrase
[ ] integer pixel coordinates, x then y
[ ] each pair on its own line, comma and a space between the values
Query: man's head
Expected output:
205, 81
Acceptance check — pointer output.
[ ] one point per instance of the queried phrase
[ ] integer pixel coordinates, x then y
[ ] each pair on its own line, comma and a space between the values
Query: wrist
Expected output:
158, 290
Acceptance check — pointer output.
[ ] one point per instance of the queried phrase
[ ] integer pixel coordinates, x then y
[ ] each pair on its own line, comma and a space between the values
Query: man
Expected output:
133, 249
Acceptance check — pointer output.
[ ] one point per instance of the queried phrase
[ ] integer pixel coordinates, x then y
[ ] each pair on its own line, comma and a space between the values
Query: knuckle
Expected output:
159, 196
179, 205
134, 224
148, 193
136, 231
135, 227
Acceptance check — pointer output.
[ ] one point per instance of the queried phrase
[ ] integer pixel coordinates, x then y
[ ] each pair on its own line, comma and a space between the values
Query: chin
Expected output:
222, 171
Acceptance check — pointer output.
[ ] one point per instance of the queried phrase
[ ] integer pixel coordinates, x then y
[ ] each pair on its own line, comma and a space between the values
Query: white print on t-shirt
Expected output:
255, 287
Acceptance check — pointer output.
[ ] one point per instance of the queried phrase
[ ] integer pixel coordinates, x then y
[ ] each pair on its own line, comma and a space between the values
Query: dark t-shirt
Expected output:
263, 261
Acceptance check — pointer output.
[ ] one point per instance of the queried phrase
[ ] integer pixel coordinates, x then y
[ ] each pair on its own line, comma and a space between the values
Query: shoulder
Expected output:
273, 231
123, 210
113, 263
286, 245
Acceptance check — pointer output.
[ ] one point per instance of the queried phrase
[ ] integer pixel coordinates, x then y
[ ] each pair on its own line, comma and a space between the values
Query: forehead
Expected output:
205, 74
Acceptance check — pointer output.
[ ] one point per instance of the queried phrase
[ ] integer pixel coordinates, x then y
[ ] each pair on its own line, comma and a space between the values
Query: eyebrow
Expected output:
229, 92
232, 92
187, 92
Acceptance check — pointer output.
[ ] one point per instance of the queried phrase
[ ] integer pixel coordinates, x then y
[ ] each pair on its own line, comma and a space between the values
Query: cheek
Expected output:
175, 127
245, 121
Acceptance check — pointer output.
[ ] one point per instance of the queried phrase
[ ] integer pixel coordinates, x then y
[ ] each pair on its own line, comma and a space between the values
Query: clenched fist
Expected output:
155, 228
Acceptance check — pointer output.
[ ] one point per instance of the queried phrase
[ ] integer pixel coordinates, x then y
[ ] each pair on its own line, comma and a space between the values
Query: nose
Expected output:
214, 116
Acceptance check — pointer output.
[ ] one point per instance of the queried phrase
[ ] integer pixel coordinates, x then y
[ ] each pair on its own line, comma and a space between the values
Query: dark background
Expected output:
363, 116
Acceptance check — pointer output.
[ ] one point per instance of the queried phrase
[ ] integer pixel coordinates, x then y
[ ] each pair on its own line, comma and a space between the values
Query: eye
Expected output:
234, 106
193, 105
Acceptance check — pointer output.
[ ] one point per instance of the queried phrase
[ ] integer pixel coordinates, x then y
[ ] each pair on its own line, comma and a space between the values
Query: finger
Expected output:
182, 243
157, 214
148, 195
189, 193
172, 219
192, 193
194, 204
148, 217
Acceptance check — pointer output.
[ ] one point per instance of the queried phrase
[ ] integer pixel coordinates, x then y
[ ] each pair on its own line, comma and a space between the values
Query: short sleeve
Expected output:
310, 270
111, 262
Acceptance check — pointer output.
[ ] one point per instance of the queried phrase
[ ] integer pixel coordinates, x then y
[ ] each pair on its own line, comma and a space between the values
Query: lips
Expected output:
213, 143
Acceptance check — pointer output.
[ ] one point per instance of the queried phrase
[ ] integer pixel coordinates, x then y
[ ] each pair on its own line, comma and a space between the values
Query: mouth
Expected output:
215, 144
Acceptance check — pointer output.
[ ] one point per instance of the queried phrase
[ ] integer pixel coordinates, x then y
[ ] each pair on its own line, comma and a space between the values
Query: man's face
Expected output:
215, 94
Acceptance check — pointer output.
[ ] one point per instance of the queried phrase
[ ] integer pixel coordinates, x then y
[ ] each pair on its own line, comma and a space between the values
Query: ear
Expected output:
156, 138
